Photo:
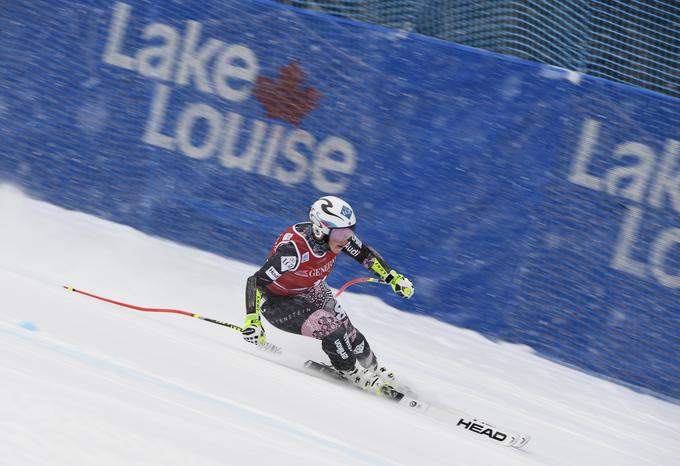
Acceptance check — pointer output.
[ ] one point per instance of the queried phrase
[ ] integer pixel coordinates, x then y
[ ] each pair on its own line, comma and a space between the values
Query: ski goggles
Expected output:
341, 235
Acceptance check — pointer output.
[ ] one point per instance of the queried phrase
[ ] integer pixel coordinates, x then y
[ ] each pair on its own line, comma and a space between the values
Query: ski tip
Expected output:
68, 288
520, 441
523, 441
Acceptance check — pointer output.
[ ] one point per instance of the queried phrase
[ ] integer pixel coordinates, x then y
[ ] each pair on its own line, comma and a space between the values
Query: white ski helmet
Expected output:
330, 212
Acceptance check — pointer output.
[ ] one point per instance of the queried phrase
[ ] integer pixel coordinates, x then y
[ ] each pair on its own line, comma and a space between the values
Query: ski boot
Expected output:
363, 378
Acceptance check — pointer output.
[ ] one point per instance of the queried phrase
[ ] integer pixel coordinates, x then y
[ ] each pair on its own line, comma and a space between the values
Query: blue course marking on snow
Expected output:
235, 408
28, 326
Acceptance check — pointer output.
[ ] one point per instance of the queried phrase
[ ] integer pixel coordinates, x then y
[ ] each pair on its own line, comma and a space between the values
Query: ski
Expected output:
455, 418
391, 393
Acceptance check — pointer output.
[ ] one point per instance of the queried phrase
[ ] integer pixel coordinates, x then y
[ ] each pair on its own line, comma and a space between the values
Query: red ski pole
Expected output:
151, 309
358, 280
267, 346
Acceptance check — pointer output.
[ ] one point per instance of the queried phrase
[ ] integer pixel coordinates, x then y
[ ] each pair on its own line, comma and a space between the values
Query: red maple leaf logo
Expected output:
285, 98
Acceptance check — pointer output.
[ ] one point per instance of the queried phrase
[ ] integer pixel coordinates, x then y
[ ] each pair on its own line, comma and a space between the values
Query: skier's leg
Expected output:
357, 340
360, 347
362, 374
318, 315
285, 312
307, 315
337, 347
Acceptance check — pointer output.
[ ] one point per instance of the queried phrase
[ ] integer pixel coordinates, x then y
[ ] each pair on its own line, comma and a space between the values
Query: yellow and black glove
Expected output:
253, 332
400, 284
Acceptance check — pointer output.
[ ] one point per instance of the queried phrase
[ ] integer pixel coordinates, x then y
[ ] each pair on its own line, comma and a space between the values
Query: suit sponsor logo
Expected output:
341, 350
316, 272
352, 250
286, 237
288, 263
272, 273
305, 257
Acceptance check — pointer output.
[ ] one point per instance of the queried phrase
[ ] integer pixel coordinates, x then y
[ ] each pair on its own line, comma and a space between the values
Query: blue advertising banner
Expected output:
533, 204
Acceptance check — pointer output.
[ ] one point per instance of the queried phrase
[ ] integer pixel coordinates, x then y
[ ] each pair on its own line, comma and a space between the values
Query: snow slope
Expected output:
84, 382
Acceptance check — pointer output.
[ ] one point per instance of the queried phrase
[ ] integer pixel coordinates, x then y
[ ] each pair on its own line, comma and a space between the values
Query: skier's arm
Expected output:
366, 256
373, 261
285, 258
253, 296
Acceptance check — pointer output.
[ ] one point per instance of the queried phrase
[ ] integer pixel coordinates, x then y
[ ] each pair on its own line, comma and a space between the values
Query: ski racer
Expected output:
291, 292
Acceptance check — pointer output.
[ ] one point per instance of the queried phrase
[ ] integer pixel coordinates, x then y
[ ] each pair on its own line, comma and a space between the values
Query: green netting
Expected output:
631, 41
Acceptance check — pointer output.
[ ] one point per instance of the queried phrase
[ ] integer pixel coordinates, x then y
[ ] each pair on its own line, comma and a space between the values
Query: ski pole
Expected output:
267, 346
358, 280
150, 309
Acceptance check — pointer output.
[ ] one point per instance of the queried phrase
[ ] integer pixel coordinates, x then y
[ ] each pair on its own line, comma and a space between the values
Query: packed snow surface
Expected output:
84, 382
